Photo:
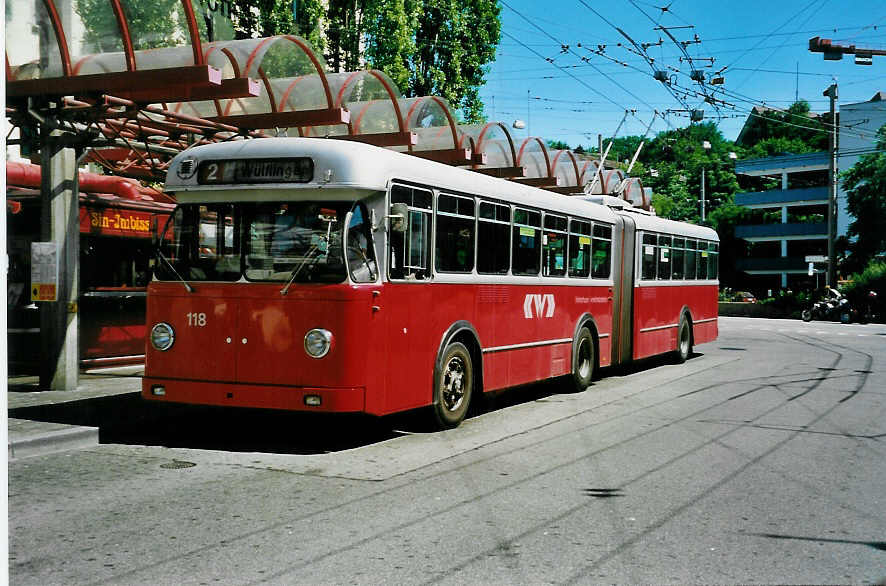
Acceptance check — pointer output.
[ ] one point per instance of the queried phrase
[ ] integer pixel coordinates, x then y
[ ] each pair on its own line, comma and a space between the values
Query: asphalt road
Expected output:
760, 460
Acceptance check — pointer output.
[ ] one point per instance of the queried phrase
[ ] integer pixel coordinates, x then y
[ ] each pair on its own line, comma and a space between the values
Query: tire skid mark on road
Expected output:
430, 478
479, 496
576, 576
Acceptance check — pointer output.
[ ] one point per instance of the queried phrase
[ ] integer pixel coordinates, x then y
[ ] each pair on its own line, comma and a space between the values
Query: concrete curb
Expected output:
47, 441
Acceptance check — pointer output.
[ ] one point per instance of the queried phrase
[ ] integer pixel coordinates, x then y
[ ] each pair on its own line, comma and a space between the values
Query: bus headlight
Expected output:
162, 336
317, 342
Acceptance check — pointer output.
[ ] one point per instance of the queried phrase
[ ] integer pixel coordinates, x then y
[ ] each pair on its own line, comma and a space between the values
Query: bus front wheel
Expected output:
583, 360
454, 386
684, 341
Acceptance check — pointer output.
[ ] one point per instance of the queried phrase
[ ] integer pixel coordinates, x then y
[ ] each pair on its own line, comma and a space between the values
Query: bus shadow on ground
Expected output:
129, 420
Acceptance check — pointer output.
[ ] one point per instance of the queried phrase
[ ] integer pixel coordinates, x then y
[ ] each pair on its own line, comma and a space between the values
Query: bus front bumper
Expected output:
321, 399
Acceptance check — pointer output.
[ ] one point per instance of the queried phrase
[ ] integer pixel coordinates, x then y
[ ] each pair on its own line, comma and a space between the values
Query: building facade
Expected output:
790, 220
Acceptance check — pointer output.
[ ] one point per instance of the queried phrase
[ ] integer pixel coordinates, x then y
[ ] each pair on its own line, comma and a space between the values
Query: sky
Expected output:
565, 70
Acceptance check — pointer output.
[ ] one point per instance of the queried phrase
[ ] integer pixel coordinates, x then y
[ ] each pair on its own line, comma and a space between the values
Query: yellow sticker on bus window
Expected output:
527, 231
704, 254
584, 241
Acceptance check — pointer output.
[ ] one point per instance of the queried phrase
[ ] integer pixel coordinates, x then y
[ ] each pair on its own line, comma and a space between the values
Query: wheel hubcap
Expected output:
584, 359
453, 384
684, 341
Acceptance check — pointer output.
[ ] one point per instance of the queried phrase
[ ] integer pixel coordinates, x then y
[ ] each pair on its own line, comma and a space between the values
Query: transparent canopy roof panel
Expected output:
493, 139
565, 168
305, 92
213, 19
374, 117
275, 57
533, 157
361, 86
32, 48
635, 193
92, 31
610, 180
155, 24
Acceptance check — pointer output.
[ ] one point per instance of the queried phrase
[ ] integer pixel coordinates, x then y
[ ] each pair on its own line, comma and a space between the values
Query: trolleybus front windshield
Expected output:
266, 241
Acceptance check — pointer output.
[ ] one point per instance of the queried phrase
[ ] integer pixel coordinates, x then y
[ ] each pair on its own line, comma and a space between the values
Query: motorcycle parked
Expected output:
867, 310
834, 306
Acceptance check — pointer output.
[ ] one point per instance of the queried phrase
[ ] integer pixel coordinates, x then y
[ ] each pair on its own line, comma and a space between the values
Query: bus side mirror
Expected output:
399, 214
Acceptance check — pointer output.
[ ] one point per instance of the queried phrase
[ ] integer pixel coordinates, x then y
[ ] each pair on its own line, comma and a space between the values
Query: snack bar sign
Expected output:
44, 271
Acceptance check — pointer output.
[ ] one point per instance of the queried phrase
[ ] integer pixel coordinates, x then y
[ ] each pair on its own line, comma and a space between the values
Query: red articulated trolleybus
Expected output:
325, 275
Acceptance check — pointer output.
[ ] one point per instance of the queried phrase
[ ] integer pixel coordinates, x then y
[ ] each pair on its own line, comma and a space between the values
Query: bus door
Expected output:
624, 241
408, 299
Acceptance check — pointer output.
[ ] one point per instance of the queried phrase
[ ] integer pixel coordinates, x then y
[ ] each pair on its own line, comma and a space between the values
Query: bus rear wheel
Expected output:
453, 386
684, 342
583, 361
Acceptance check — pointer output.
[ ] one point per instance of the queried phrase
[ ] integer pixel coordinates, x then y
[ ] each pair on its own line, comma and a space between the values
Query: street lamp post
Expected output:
707, 147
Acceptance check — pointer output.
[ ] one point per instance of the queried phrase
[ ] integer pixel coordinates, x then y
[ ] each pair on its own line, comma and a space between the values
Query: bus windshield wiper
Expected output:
175, 272
297, 269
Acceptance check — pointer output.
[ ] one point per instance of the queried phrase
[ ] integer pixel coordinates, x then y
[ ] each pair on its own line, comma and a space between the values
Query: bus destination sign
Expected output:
245, 171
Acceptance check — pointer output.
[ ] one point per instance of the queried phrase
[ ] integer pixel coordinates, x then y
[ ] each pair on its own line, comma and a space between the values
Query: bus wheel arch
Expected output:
685, 337
585, 352
458, 375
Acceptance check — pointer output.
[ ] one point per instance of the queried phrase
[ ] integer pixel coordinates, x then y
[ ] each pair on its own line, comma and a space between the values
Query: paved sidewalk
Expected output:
42, 422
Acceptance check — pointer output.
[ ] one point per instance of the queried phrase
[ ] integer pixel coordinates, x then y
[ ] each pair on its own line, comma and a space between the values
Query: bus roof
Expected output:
341, 164
665, 226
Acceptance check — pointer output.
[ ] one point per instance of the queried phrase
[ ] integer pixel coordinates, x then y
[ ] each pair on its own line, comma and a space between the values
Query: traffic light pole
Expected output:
831, 93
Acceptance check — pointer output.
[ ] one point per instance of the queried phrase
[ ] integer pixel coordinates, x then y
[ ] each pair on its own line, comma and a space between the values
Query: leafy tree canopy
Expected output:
865, 185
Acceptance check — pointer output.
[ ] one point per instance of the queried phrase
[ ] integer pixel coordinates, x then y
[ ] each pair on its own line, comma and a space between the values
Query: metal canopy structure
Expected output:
137, 87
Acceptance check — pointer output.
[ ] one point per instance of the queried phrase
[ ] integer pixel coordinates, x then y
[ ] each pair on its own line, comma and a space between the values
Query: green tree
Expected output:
151, 24
865, 185
799, 131
677, 158
428, 47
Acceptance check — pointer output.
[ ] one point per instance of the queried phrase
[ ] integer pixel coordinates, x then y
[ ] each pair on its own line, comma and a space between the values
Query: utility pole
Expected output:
702, 195
831, 281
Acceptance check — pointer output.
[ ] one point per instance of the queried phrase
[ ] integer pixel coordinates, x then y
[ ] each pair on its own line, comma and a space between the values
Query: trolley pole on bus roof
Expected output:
831, 280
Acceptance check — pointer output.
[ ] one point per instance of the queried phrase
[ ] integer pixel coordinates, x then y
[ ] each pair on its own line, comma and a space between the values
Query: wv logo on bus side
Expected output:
538, 305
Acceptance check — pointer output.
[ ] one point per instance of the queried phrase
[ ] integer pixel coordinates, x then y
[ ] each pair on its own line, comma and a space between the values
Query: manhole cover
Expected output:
176, 464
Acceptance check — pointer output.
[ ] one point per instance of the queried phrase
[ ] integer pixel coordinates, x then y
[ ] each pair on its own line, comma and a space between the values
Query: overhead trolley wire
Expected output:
592, 88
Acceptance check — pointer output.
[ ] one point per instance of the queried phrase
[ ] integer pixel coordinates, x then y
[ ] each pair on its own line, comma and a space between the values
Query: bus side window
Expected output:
360, 252
410, 252
713, 258
677, 255
602, 255
527, 242
454, 251
649, 256
494, 239
579, 248
701, 262
690, 261
664, 258
554, 246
